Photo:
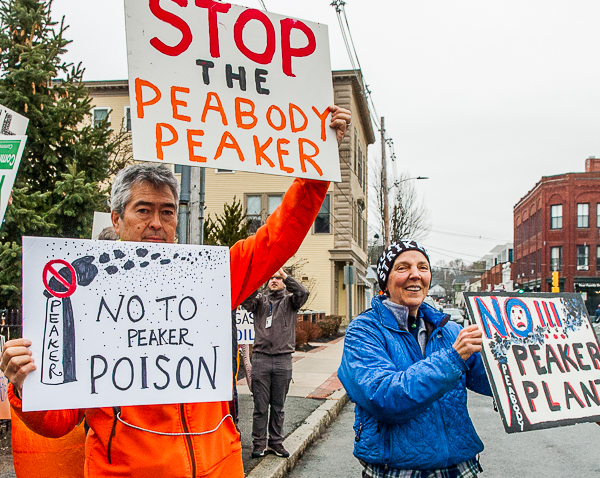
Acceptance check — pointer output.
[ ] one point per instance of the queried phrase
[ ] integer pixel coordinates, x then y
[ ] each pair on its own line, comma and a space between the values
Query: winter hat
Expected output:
387, 258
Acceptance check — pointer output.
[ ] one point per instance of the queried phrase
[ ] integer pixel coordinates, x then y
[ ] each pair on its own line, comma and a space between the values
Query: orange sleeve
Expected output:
50, 424
255, 259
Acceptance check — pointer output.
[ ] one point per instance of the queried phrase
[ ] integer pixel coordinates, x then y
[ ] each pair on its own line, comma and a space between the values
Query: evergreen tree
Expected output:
66, 158
228, 228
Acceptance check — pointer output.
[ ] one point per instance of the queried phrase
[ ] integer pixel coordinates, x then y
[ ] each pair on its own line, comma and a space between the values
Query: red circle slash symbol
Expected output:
49, 270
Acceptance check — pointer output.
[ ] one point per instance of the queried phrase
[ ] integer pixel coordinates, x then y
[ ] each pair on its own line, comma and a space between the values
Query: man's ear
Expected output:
114, 217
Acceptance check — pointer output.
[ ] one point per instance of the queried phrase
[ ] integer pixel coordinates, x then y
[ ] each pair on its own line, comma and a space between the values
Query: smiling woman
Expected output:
406, 365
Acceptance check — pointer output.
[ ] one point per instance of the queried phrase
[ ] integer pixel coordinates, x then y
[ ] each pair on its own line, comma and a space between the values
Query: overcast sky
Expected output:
482, 97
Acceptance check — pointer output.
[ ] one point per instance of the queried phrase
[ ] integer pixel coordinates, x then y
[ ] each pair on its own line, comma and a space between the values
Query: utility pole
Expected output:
384, 189
196, 210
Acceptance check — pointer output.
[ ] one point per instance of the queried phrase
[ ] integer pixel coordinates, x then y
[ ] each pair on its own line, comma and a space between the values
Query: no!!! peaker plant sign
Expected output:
542, 358
124, 323
223, 86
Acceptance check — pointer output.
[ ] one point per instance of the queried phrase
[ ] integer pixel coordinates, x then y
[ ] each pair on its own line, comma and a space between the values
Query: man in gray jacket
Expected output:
275, 315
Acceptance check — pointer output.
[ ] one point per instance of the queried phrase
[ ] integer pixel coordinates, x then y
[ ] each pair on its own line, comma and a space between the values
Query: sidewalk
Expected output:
314, 400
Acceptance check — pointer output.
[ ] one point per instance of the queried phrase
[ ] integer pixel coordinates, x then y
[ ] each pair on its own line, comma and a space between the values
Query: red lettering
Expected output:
175, 102
281, 115
259, 150
140, 103
213, 26
218, 108
193, 143
232, 144
308, 157
159, 138
175, 21
323, 117
239, 114
295, 128
238, 30
281, 153
287, 52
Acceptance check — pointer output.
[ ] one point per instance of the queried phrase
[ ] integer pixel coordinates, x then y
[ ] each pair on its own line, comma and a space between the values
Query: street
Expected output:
554, 453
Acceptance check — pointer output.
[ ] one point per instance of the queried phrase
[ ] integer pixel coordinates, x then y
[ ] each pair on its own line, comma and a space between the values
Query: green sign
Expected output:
8, 152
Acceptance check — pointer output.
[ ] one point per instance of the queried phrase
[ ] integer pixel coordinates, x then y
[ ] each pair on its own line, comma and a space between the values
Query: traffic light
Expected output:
555, 287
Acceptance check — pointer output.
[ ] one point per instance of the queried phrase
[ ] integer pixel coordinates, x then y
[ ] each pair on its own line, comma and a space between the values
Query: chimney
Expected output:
592, 164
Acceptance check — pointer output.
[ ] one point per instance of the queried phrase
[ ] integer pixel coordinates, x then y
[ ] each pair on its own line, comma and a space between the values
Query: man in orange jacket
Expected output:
175, 440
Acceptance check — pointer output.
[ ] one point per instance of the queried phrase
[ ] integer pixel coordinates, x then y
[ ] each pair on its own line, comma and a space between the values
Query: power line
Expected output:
263, 5
476, 236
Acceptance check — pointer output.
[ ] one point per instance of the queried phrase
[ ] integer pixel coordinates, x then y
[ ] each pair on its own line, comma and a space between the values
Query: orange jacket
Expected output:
116, 450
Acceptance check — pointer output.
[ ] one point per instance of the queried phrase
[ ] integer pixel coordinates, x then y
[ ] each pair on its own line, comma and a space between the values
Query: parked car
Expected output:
429, 301
456, 316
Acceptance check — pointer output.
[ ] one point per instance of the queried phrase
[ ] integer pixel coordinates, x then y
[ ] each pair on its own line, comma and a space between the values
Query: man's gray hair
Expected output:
158, 175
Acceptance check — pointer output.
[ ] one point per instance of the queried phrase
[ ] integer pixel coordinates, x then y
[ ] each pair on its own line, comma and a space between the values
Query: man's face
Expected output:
409, 280
276, 283
150, 215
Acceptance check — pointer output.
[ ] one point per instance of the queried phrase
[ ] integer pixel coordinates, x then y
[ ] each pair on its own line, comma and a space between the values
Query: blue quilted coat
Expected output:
411, 410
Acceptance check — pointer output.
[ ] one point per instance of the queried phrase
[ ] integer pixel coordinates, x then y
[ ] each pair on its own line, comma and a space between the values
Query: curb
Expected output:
304, 436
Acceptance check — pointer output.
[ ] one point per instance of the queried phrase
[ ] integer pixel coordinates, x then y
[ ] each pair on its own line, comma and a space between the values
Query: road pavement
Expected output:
554, 453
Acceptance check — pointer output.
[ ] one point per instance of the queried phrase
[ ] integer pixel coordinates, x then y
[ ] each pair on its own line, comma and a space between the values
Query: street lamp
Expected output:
396, 183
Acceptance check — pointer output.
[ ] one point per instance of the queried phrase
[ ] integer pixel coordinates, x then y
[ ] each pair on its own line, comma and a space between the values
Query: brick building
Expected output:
557, 227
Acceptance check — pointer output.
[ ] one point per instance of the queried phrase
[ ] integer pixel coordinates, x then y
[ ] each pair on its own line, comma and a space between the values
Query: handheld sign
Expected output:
11, 151
223, 86
125, 323
541, 356
245, 326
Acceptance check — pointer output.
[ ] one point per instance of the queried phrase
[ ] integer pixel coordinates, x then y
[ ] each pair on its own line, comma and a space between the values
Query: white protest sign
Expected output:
244, 321
125, 323
218, 85
11, 151
541, 356
12, 123
4, 403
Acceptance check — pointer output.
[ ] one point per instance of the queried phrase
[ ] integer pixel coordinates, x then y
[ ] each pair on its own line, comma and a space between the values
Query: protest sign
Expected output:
4, 403
223, 86
542, 358
12, 123
11, 151
124, 323
244, 321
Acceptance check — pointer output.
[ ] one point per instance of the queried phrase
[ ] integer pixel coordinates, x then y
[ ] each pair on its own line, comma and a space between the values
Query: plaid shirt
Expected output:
466, 469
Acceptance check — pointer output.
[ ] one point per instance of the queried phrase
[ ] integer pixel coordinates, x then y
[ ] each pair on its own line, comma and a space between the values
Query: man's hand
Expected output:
16, 362
468, 342
340, 119
282, 273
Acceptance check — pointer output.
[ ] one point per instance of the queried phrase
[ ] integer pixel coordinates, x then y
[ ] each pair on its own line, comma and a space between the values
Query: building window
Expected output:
253, 213
556, 258
556, 216
99, 115
359, 172
273, 202
323, 220
583, 215
127, 119
598, 258
598, 214
583, 258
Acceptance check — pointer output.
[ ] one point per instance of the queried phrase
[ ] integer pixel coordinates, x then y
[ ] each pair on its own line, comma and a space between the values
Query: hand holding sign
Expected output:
17, 362
340, 120
468, 342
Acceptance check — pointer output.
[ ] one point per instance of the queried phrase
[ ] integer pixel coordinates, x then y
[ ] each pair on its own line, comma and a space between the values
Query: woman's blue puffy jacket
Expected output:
411, 410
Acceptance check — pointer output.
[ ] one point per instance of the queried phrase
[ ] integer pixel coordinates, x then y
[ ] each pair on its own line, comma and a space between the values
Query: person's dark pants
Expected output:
271, 377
